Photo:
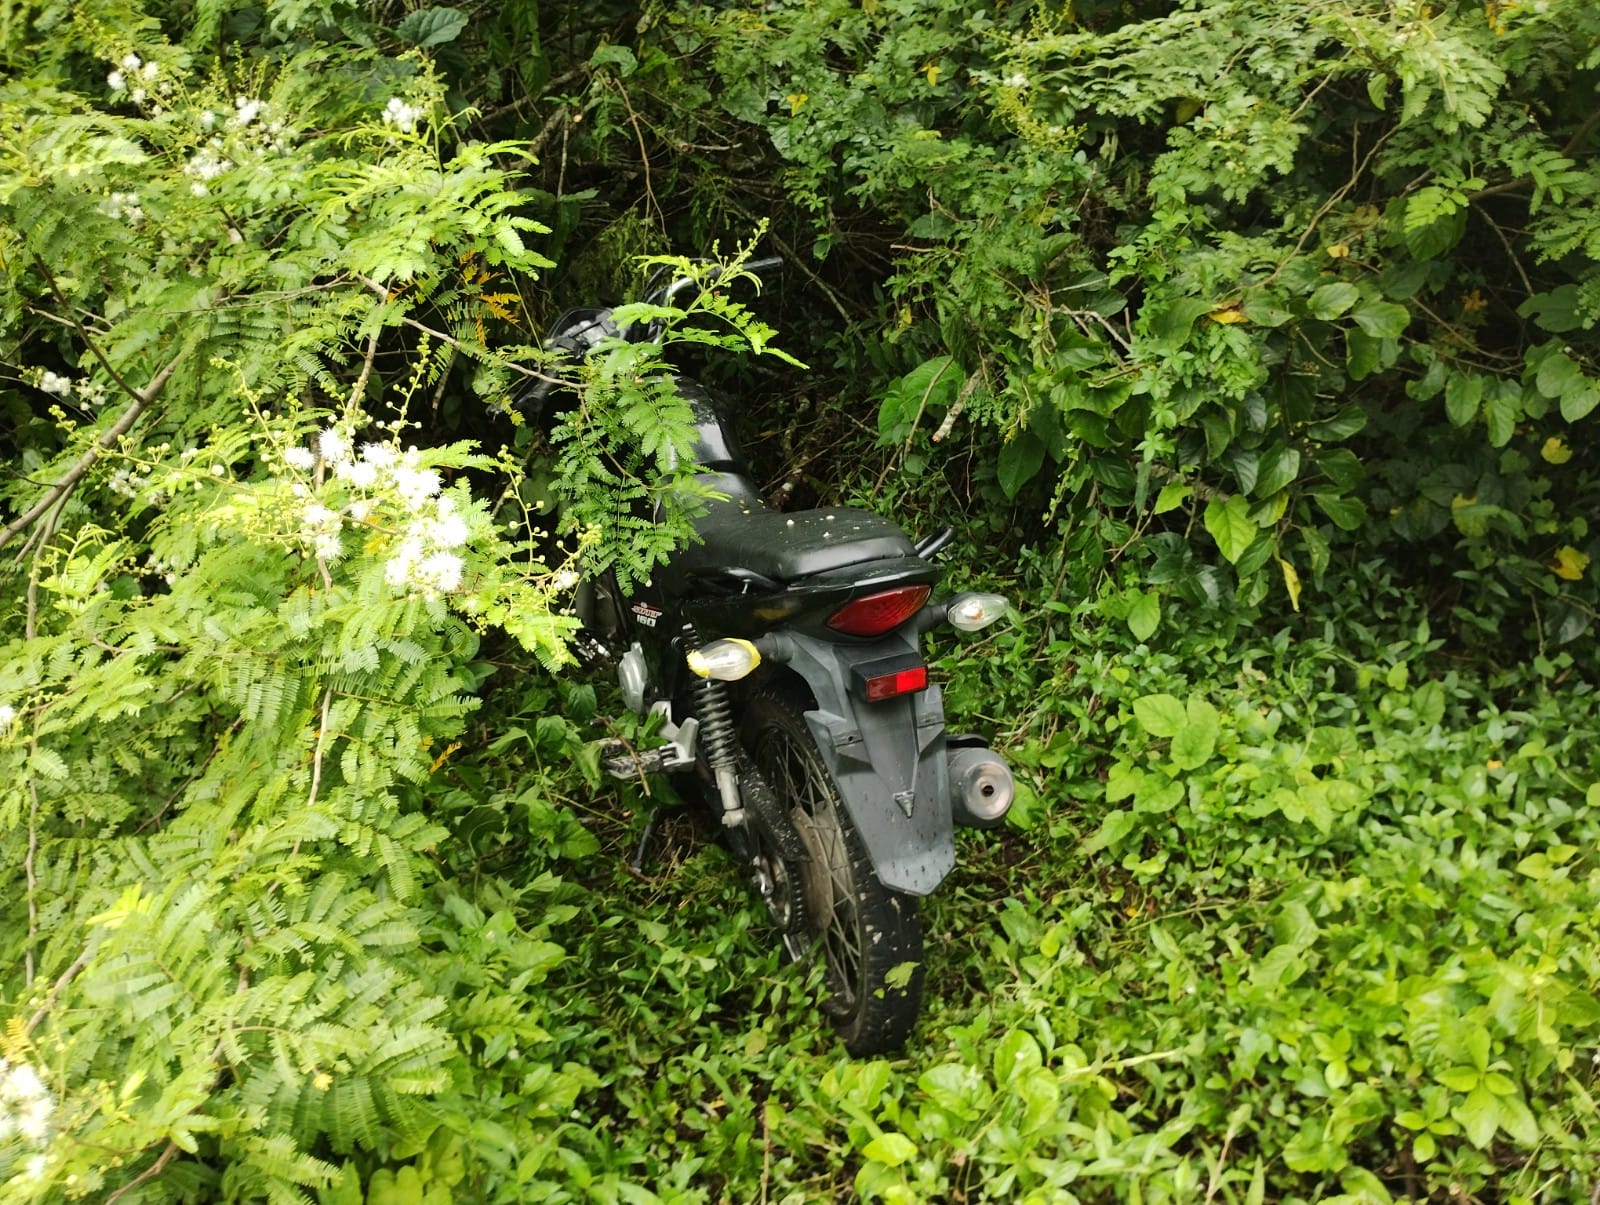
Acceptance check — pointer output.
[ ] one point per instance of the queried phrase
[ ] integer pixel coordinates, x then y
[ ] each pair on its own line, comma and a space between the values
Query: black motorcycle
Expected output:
781, 653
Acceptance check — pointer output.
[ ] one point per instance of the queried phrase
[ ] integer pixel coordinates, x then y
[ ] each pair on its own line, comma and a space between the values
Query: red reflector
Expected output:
879, 613
907, 681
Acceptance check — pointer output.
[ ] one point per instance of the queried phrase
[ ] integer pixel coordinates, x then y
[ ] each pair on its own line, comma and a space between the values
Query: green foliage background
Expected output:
1252, 349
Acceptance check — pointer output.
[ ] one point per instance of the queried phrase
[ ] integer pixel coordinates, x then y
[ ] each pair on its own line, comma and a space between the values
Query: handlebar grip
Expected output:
769, 264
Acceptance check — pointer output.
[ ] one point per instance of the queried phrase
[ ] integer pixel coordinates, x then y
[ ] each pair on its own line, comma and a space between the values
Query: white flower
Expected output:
318, 518
441, 572
360, 509
246, 110
380, 456
358, 473
335, 448
300, 458
35, 1167
198, 189
207, 119
22, 1082
131, 62
327, 546
1016, 80
137, 96
33, 1120
564, 580
150, 71
123, 206
449, 531
116, 81
218, 470
415, 486
402, 116
8, 716
53, 383
205, 164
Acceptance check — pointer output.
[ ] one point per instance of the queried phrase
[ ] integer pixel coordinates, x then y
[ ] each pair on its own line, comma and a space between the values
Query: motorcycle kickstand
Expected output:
652, 826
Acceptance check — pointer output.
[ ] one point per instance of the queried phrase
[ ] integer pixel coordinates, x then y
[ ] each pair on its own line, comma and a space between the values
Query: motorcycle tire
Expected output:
870, 936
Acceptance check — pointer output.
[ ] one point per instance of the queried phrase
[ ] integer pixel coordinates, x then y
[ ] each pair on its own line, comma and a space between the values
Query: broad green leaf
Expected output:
1502, 407
1382, 319
1557, 373
890, 1149
1579, 400
1479, 1116
1015, 1056
1113, 829
431, 27
1160, 715
1230, 526
1334, 299
1172, 496
1172, 321
1462, 394
1020, 460
1197, 739
1346, 513
1279, 466
1144, 617
1350, 419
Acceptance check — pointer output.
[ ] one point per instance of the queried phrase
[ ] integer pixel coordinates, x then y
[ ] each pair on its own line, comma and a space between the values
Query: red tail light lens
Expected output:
901, 682
875, 614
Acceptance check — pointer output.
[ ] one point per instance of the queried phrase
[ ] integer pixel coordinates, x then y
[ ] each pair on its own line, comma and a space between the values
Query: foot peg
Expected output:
621, 760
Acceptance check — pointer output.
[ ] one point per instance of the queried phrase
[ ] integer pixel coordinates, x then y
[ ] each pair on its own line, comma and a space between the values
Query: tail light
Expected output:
875, 614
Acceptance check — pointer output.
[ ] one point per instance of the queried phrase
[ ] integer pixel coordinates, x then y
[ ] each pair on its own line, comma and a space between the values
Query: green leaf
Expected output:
1347, 513
1578, 401
1462, 394
890, 1149
1350, 419
431, 27
1382, 319
1557, 373
1193, 745
1334, 299
1144, 617
1479, 1116
1160, 715
1171, 322
1502, 407
1020, 460
1172, 496
1279, 466
1230, 526
1112, 830
1015, 1056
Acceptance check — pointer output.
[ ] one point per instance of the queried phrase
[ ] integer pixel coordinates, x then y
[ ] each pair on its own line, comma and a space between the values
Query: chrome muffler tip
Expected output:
981, 787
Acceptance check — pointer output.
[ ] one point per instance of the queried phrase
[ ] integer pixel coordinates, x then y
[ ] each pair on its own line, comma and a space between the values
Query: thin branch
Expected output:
1527, 285
452, 341
56, 989
149, 1173
63, 486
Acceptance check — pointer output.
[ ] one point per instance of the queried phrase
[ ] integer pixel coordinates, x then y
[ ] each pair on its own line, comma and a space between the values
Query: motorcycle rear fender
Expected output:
887, 758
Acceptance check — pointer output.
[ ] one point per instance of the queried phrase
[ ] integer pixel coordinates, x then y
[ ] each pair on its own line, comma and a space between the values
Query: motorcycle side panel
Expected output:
888, 761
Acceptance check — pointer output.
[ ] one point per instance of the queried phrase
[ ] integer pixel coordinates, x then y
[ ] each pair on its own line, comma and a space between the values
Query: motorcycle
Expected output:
781, 655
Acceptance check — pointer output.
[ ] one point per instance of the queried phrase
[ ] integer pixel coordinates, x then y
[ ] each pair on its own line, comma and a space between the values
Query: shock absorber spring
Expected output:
718, 737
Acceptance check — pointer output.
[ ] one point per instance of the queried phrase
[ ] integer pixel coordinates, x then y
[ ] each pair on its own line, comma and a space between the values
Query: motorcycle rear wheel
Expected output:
870, 936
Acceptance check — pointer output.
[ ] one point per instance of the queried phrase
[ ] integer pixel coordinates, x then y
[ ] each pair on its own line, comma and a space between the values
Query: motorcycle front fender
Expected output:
887, 758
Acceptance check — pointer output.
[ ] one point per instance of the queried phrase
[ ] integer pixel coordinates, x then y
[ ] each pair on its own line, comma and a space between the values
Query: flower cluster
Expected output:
138, 78
123, 207
425, 557
8, 716
402, 116
55, 384
25, 1104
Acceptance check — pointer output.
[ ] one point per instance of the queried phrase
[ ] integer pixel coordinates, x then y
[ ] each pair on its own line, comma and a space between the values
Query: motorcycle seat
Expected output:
740, 531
